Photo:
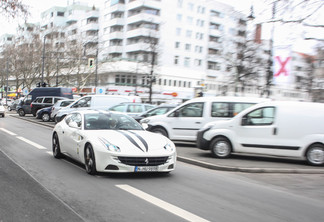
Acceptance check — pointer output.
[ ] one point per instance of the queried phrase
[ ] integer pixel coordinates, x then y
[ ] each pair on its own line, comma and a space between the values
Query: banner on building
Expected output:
282, 74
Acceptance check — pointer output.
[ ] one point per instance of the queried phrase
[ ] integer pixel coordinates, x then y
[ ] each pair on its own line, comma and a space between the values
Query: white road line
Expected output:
31, 143
162, 204
9, 132
49, 152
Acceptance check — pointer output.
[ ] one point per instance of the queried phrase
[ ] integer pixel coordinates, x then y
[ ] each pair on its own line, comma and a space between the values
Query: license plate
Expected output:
146, 168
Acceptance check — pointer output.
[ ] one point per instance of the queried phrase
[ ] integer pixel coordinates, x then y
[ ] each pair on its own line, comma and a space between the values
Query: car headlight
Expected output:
169, 147
109, 146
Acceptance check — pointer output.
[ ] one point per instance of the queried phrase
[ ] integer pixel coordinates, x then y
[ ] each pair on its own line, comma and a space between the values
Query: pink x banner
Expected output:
282, 65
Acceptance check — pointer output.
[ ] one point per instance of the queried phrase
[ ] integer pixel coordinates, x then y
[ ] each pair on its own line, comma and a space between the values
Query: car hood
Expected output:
132, 141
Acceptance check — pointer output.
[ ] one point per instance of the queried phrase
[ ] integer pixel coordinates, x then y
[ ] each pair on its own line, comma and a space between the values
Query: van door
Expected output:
186, 121
257, 132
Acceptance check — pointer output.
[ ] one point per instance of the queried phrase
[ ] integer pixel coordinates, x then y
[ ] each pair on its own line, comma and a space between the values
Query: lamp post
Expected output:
43, 61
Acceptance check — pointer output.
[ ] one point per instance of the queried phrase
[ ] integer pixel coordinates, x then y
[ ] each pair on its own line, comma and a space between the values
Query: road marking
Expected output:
31, 143
9, 132
162, 204
49, 152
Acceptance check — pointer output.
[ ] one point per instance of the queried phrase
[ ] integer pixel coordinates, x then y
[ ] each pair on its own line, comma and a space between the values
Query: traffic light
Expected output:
90, 62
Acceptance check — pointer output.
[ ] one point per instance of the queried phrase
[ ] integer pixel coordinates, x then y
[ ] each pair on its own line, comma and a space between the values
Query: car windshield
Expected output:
112, 121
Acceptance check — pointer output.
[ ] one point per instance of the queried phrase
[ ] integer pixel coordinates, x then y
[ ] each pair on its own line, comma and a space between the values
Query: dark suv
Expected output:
42, 102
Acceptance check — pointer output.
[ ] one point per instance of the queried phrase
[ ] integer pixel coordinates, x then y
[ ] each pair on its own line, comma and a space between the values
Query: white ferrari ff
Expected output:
112, 142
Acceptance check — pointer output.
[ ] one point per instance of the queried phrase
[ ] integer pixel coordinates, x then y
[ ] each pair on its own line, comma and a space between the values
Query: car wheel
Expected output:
56, 147
161, 131
315, 155
21, 112
45, 117
221, 147
89, 160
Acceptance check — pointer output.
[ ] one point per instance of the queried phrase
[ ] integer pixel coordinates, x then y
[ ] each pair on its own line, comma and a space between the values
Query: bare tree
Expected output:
13, 8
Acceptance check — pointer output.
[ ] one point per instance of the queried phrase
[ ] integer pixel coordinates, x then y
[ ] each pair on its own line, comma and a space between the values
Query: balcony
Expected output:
215, 45
141, 46
92, 14
116, 35
91, 26
214, 58
215, 32
115, 49
140, 3
142, 32
117, 8
217, 20
144, 17
116, 21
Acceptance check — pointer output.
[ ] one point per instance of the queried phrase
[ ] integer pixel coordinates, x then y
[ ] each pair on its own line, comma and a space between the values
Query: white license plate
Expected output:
146, 168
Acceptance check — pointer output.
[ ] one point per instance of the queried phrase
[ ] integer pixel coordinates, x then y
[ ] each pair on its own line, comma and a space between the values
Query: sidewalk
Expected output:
245, 163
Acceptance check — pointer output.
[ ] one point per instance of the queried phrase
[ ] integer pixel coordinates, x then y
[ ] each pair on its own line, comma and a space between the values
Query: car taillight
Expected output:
31, 105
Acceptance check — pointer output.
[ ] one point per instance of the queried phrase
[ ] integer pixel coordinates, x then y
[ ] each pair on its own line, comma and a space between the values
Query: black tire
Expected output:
21, 112
46, 117
89, 160
221, 147
315, 155
56, 147
160, 130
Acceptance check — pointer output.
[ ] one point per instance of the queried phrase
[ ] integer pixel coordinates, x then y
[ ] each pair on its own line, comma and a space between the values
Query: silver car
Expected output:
59, 105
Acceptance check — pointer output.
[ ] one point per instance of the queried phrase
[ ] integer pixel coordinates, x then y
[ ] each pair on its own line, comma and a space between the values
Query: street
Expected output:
190, 193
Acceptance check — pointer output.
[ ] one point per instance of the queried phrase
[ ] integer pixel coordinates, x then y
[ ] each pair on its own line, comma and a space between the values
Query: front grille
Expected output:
143, 161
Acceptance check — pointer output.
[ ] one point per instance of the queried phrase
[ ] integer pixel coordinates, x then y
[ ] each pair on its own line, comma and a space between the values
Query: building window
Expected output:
179, 83
179, 4
176, 60
188, 47
188, 33
186, 61
198, 62
177, 45
165, 82
61, 14
179, 17
213, 66
190, 6
174, 83
189, 20
178, 31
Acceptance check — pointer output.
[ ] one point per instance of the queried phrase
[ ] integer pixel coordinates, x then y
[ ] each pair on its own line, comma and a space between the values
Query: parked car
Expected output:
131, 109
183, 122
6, 102
42, 102
162, 109
44, 114
289, 129
13, 105
24, 106
112, 142
101, 102
2, 110
59, 105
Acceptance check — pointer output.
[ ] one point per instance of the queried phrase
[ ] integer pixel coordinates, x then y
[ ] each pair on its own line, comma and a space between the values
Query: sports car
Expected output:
107, 141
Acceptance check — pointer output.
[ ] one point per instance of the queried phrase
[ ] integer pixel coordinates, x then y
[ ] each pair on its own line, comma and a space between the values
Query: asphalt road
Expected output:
37, 187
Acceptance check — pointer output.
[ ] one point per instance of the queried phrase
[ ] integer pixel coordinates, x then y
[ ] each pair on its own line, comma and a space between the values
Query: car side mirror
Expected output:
73, 125
244, 121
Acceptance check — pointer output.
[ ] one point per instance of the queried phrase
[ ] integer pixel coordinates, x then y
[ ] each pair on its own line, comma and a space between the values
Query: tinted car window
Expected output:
38, 100
190, 110
119, 108
65, 103
262, 116
48, 100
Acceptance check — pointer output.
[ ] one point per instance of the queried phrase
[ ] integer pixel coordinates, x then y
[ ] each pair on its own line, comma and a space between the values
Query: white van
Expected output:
100, 102
290, 129
183, 122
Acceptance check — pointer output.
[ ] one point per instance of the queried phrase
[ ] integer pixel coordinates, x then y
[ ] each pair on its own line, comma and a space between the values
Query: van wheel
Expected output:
221, 147
161, 131
315, 155
21, 112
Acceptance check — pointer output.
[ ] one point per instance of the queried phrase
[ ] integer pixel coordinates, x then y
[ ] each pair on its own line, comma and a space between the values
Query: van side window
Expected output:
189, 110
38, 100
262, 116
238, 107
220, 109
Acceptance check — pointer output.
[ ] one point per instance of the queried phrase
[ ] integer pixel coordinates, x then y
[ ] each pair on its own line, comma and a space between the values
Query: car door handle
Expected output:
275, 131
198, 122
